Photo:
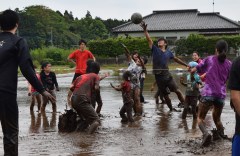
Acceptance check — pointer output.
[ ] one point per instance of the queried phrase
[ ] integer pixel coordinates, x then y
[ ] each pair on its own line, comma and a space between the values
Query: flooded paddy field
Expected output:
157, 133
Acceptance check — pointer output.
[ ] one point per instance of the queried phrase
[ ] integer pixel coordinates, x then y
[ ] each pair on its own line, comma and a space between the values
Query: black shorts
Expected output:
166, 83
75, 76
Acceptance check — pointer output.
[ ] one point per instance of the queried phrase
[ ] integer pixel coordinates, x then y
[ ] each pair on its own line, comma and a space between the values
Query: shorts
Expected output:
214, 100
75, 76
236, 145
166, 83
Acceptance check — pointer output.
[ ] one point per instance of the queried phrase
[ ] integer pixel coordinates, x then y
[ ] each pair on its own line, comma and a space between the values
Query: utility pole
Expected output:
51, 40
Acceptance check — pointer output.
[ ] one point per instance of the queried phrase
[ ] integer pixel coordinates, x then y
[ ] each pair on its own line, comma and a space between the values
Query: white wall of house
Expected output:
177, 35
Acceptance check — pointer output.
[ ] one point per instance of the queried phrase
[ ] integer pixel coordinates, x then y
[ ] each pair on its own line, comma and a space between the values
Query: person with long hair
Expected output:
213, 93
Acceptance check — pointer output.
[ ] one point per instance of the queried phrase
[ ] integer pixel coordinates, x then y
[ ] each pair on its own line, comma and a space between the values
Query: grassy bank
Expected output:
63, 69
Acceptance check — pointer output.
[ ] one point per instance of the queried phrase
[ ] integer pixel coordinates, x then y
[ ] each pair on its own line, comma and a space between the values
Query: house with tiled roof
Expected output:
176, 24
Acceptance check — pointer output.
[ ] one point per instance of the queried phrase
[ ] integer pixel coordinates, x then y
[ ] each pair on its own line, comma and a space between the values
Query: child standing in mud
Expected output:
36, 96
135, 67
192, 91
125, 87
83, 88
49, 82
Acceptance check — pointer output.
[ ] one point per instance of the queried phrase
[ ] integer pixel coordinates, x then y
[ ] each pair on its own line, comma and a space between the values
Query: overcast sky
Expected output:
122, 9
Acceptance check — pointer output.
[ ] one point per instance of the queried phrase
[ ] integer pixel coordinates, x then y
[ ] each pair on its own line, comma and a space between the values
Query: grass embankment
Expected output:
63, 69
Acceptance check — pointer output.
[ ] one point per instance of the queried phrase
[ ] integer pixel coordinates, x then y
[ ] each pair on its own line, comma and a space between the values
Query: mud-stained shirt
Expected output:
126, 91
85, 85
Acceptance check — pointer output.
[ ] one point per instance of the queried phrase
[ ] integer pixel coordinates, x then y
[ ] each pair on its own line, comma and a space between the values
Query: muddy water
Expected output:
158, 132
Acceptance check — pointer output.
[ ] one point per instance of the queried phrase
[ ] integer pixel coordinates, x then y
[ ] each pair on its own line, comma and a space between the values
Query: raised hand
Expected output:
143, 25
49, 96
112, 85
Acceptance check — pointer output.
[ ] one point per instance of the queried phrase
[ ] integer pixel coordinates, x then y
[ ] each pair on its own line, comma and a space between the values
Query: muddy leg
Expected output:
138, 104
186, 106
32, 103
122, 113
216, 113
202, 112
168, 101
39, 101
44, 104
180, 95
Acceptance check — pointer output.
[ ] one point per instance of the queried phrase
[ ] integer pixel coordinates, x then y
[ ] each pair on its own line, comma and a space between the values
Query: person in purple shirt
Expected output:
217, 69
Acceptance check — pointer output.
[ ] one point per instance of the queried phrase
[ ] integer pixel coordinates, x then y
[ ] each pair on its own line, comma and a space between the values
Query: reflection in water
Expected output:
42, 118
49, 126
35, 123
165, 118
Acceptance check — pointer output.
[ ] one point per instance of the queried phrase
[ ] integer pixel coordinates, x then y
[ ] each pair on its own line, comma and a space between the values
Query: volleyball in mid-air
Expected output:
136, 18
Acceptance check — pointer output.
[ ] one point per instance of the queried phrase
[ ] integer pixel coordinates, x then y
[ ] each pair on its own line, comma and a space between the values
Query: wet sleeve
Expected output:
55, 80
44, 83
72, 55
26, 65
154, 49
90, 55
97, 81
171, 56
201, 67
234, 79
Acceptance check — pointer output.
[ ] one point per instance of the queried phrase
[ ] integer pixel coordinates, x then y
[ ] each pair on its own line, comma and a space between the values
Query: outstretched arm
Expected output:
181, 81
127, 53
144, 26
117, 88
179, 61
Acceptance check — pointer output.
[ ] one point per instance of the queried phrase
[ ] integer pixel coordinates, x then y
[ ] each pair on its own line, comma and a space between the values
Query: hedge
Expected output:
111, 47
204, 44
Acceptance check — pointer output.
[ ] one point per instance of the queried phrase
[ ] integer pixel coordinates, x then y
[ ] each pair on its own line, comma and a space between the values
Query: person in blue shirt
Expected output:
161, 57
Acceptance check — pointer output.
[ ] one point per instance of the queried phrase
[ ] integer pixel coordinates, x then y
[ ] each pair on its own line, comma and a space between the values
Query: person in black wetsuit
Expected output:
14, 52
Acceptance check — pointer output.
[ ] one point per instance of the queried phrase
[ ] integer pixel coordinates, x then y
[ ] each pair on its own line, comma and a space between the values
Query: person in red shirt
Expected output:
127, 107
79, 57
83, 88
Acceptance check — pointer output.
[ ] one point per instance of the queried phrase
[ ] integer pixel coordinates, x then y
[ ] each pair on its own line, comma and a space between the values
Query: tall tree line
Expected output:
43, 27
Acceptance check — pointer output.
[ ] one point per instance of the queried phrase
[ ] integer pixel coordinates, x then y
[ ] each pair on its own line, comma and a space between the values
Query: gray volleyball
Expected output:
136, 18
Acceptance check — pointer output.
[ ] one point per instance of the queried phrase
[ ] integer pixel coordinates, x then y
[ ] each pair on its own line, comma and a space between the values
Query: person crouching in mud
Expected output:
125, 87
82, 89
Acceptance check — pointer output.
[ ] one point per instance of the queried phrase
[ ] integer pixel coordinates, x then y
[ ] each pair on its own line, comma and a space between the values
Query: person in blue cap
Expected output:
192, 91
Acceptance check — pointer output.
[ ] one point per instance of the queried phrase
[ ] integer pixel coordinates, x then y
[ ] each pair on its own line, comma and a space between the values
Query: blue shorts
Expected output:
236, 145
210, 99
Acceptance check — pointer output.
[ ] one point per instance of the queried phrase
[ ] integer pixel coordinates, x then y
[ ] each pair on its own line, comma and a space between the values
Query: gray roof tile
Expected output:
170, 20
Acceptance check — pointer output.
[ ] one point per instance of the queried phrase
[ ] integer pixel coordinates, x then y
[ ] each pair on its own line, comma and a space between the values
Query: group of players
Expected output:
85, 91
